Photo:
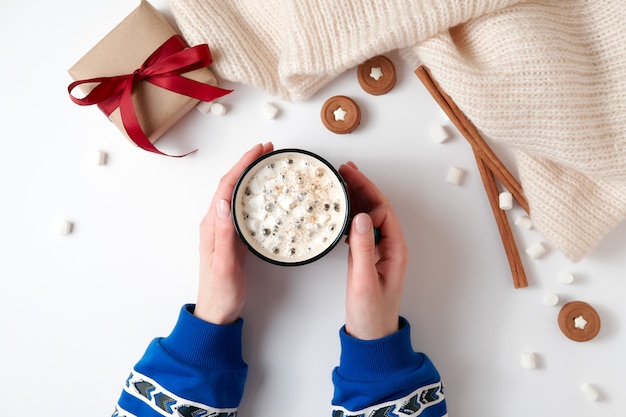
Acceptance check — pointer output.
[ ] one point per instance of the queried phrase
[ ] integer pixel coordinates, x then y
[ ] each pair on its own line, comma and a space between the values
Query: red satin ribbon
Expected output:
162, 68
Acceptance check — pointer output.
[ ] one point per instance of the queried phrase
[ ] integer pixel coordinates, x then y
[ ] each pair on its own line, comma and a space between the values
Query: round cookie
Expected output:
341, 114
377, 75
579, 321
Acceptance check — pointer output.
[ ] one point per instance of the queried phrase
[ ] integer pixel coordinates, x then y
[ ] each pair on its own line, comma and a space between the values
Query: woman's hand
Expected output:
222, 286
375, 272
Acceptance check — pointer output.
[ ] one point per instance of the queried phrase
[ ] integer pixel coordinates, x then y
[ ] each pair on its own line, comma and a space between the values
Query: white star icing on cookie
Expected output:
376, 73
340, 114
580, 323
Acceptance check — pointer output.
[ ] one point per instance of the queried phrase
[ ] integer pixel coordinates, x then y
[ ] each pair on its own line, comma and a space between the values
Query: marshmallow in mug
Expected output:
290, 207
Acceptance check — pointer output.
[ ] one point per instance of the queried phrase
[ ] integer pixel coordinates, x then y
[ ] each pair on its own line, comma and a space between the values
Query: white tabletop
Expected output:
77, 311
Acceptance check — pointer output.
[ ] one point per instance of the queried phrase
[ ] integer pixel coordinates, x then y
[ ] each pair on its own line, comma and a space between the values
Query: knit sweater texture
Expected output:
546, 78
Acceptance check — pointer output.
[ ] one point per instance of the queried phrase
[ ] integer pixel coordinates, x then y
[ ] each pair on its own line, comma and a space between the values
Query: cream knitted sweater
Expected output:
545, 77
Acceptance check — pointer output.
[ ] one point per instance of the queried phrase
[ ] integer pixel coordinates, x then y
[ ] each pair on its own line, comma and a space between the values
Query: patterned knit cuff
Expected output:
206, 345
378, 360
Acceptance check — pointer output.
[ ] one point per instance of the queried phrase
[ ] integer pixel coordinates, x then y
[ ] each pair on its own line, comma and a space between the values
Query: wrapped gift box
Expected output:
124, 50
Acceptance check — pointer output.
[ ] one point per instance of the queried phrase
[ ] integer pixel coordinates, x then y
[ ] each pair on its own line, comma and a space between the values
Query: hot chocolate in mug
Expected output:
291, 207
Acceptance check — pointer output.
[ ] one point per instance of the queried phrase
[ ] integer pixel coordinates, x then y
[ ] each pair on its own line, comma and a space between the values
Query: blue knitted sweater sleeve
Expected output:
385, 377
197, 370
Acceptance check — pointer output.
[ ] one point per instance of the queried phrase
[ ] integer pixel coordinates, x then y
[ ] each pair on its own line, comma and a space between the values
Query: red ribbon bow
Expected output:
162, 68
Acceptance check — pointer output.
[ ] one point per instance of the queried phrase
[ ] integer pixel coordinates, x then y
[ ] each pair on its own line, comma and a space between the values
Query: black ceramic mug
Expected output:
291, 207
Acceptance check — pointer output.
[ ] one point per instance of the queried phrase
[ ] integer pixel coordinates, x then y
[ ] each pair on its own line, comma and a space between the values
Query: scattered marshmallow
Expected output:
566, 278
455, 175
524, 222
218, 109
270, 111
551, 300
506, 200
528, 360
590, 392
439, 133
99, 158
64, 227
204, 107
536, 251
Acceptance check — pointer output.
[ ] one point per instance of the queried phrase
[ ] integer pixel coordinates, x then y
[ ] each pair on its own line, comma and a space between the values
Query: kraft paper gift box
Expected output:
124, 50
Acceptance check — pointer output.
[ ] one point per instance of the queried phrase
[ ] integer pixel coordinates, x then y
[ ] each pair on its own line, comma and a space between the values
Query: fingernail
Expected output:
223, 209
363, 223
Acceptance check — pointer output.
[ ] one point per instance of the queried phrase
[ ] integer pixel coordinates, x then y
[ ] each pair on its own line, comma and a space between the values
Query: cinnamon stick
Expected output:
490, 168
506, 234
473, 136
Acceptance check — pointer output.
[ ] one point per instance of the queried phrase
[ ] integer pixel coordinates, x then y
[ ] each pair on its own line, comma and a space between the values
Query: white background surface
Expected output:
77, 311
